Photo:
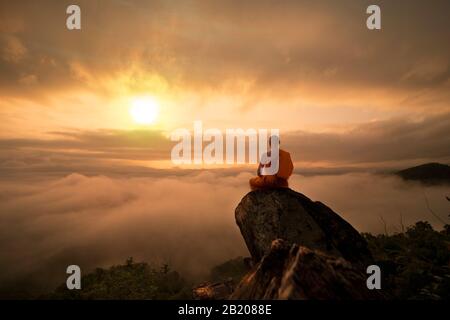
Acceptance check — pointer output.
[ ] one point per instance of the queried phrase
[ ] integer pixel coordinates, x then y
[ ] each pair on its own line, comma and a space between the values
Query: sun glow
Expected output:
144, 110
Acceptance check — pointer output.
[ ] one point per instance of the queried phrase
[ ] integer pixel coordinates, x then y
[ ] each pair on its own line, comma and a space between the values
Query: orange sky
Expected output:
83, 182
310, 68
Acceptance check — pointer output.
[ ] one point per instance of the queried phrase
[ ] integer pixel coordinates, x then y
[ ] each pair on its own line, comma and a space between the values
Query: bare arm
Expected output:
258, 172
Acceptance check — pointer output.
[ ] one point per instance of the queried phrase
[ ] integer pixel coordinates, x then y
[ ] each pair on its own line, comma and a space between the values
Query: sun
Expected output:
144, 110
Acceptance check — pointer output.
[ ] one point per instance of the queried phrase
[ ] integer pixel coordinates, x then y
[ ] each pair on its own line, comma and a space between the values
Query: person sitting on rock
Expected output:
268, 179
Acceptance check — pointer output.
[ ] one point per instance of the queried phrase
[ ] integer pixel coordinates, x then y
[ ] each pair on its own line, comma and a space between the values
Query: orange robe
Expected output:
278, 180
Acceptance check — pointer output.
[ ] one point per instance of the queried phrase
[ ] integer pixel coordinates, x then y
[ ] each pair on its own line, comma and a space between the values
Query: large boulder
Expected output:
266, 215
290, 271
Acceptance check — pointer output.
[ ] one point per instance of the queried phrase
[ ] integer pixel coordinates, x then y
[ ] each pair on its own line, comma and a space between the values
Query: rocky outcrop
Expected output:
300, 249
290, 271
266, 215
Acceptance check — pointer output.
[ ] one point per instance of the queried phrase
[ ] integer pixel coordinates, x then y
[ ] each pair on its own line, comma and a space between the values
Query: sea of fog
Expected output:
186, 221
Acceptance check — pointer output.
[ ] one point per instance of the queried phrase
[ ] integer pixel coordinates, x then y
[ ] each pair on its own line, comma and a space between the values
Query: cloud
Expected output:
83, 148
376, 142
47, 224
256, 49
391, 144
95, 221
13, 49
365, 199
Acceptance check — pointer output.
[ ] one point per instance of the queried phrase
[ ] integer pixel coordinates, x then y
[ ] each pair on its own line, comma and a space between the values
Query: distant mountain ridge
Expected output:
429, 173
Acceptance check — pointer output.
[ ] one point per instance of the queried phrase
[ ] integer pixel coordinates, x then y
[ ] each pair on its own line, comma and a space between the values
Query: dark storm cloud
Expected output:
273, 46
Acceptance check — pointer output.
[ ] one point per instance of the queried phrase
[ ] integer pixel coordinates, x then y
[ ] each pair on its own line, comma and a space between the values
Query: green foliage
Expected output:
129, 281
415, 264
